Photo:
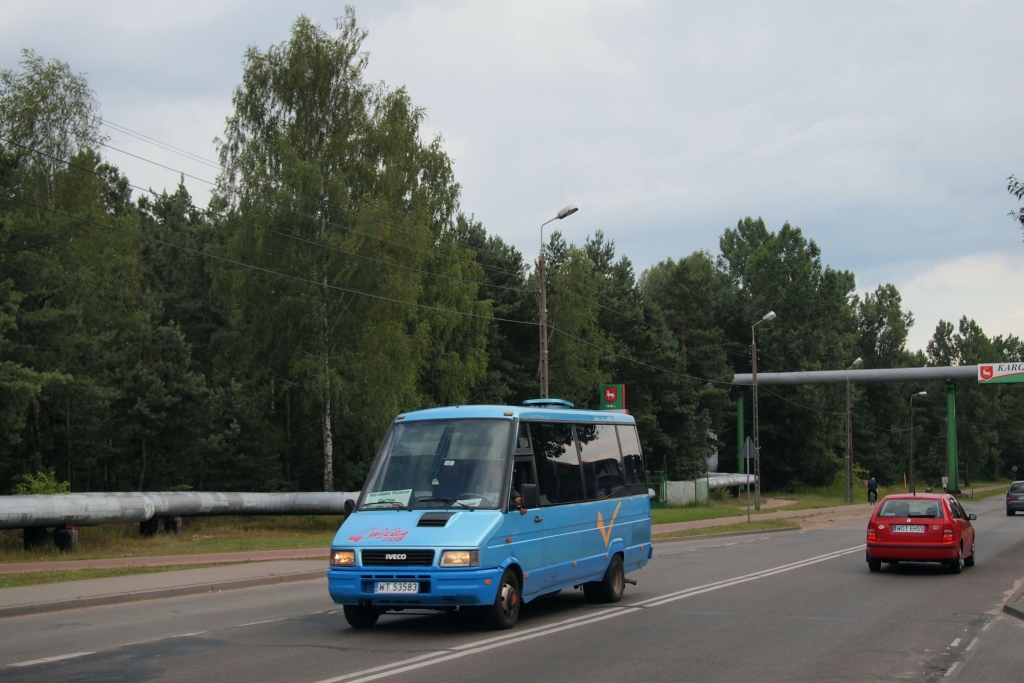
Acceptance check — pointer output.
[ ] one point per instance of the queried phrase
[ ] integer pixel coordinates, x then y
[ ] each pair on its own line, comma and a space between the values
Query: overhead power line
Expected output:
348, 290
569, 292
330, 206
211, 212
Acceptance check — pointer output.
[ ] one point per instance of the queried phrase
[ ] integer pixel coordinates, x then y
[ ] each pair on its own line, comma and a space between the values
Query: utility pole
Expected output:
542, 284
768, 317
848, 494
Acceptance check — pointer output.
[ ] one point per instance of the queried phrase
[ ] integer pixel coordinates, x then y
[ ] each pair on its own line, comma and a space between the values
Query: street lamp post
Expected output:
542, 284
768, 317
913, 483
849, 435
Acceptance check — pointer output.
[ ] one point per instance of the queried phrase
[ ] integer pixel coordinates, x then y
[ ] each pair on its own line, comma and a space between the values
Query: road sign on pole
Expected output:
1000, 373
613, 397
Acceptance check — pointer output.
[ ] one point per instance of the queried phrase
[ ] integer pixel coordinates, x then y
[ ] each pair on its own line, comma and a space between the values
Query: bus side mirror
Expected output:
531, 495
652, 494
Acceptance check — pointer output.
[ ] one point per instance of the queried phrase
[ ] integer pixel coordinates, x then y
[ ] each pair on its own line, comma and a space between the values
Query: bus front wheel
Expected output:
611, 587
504, 613
361, 616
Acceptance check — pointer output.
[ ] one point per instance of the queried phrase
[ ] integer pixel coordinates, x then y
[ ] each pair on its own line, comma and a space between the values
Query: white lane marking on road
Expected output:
973, 643
475, 650
955, 643
767, 572
497, 640
952, 669
257, 623
985, 627
729, 544
189, 635
474, 647
46, 660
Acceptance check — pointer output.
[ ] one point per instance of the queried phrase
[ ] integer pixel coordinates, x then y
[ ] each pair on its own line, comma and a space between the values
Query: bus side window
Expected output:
602, 463
632, 459
524, 442
558, 465
523, 472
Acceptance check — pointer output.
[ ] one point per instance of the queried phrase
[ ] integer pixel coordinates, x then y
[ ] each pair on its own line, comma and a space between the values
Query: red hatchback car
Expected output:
927, 527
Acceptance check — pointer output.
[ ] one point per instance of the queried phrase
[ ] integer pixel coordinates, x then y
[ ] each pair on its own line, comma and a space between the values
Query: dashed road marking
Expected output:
47, 660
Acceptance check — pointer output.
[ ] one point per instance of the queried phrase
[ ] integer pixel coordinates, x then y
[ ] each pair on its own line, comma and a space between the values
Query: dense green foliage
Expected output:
266, 341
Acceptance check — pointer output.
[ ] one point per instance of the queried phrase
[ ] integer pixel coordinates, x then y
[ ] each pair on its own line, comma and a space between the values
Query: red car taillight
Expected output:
947, 534
871, 534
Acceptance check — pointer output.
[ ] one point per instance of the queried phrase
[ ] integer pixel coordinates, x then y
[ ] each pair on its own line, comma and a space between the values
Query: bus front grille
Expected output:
398, 558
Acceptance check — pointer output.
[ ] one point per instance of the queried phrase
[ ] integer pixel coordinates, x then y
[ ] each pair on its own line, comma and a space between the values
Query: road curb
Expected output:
724, 534
1015, 605
158, 593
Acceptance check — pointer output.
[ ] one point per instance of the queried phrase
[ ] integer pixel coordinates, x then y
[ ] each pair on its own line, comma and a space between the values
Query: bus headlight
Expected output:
343, 558
460, 558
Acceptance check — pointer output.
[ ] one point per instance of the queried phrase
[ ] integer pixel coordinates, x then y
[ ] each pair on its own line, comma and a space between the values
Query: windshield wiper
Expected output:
449, 501
392, 503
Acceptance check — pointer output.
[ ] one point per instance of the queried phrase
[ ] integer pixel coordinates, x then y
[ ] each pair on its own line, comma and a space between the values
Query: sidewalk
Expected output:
55, 597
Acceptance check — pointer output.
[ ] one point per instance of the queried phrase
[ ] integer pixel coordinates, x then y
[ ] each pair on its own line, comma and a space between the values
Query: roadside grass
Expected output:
971, 493
754, 525
198, 535
62, 575
734, 507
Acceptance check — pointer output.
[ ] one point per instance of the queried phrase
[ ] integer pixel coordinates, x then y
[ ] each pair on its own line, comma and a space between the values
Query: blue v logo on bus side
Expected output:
488, 507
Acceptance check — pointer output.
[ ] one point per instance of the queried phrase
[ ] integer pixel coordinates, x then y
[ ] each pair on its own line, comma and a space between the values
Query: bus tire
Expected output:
504, 613
360, 616
611, 587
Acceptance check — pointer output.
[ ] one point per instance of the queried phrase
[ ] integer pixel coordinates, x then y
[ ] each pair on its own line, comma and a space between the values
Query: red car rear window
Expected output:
910, 508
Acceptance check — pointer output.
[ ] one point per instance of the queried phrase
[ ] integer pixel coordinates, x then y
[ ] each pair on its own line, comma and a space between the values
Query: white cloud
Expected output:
986, 287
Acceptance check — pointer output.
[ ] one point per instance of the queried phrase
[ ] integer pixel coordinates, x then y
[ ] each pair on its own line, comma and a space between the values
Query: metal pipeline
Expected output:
91, 509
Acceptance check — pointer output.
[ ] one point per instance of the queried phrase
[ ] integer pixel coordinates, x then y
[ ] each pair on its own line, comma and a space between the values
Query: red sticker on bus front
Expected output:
380, 534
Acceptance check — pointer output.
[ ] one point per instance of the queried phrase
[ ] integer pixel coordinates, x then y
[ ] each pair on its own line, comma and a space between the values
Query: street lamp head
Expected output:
857, 362
567, 211
922, 393
769, 316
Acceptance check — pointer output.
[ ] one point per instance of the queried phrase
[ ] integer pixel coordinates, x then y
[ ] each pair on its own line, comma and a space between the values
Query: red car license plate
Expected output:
908, 528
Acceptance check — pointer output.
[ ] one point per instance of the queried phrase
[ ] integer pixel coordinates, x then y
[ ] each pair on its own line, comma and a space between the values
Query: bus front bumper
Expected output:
438, 588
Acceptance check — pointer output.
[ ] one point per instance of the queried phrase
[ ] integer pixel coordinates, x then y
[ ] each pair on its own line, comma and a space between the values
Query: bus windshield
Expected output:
441, 463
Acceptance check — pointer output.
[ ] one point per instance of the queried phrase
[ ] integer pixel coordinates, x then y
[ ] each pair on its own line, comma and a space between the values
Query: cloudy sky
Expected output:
886, 130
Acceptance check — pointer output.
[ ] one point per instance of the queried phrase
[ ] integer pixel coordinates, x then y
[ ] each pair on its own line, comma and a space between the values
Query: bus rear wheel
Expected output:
611, 587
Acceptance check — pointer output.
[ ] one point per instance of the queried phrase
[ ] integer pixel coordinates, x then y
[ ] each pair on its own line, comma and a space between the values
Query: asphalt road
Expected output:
791, 607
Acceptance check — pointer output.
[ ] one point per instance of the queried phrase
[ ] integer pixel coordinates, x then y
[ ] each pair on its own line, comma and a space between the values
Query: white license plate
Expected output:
1020, 497
403, 587
908, 528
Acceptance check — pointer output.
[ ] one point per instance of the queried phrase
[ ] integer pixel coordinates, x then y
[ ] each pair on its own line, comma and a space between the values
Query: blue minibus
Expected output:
483, 508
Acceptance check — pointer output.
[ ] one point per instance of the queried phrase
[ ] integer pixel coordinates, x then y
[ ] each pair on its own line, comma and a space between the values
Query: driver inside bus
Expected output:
517, 502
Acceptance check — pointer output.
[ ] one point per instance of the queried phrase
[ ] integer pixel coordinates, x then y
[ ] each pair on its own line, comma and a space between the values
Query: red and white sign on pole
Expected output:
613, 397
1000, 373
